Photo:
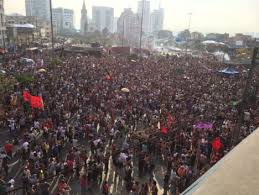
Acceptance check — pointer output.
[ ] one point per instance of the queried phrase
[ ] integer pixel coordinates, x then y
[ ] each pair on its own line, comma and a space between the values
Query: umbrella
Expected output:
41, 70
125, 90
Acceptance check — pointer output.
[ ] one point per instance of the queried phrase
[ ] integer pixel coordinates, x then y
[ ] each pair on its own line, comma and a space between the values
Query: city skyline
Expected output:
206, 16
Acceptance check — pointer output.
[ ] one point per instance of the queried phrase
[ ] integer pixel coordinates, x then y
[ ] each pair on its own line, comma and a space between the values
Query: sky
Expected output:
232, 16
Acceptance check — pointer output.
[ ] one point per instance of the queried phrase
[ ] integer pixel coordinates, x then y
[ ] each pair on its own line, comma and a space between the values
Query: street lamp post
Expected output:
123, 31
3, 33
51, 25
141, 29
190, 19
189, 27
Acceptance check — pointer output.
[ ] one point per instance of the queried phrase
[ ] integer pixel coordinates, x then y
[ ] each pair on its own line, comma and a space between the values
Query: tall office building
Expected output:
103, 18
68, 19
39, 8
129, 28
157, 20
84, 21
145, 6
115, 22
2, 25
57, 18
63, 19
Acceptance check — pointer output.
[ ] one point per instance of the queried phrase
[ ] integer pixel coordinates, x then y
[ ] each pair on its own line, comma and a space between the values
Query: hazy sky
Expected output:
207, 15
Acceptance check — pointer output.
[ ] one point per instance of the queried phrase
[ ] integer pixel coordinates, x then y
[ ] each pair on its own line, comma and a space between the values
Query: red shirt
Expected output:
70, 164
83, 182
8, 148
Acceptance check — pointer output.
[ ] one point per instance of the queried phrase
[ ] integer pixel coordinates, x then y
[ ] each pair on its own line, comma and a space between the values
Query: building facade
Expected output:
197, 36
39, 8
19, 19
115, 22
145, 6
128, 27
68, 19
103, 18
157, 20
42, 27
2, 25
63, 19
84, 21
21, 34
57, 18
217, 36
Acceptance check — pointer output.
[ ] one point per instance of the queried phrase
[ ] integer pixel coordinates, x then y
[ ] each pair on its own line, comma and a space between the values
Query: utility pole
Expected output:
51, 25
141, 29
236, 132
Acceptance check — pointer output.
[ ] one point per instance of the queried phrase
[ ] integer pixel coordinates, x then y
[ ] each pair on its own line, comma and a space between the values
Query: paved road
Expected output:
116, 182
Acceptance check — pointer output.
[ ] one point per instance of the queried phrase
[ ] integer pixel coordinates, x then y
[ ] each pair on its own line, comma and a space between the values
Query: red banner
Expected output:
36, 102
26, 96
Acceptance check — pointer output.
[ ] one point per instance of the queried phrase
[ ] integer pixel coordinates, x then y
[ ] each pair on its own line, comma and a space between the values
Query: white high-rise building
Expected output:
2, 25
57, 18
103, 18
84, 20
63, 19
39, 8
129, 28
68, 19
157, 20
145, 6
115, 22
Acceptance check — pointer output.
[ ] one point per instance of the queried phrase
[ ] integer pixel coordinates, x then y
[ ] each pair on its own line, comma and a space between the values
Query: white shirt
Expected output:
25, 145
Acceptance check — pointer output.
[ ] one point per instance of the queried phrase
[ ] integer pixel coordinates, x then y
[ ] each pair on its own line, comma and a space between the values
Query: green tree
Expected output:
164, 34
6, 83
25, 79
184, 35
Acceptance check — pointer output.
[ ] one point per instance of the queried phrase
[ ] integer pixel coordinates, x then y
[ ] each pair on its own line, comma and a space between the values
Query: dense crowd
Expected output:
90, 127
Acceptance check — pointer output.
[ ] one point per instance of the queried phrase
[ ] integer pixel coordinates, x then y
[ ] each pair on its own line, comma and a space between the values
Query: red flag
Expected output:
26, 96
36, 102
216, 144
170, 120
164, 130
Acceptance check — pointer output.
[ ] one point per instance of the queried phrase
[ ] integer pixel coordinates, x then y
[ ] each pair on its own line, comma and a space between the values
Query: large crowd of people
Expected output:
135, 119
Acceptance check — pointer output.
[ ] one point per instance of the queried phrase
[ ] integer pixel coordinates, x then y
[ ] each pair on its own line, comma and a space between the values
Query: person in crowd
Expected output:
113, 117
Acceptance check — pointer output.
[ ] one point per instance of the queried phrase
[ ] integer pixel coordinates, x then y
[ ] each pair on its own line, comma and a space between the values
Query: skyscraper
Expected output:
63, 19
129, 28
57, 18
157, 20
68, 19
103, 18
39, 8
84, 22
115, 21
145, 6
